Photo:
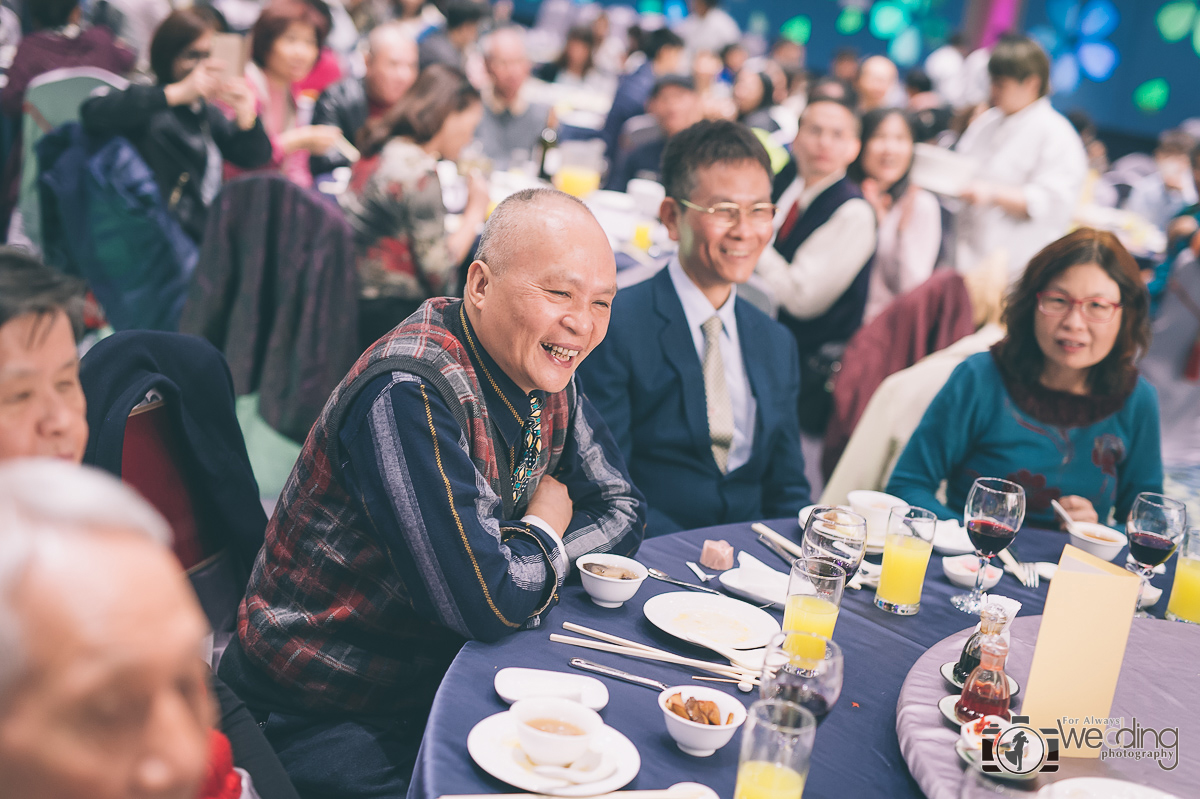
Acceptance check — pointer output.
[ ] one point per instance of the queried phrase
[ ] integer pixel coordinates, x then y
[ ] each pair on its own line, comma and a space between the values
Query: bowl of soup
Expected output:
553, 731
610, 579
1097, 539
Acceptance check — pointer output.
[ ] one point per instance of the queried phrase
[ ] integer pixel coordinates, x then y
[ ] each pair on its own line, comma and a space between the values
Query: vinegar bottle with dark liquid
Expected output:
991, 622
986, 690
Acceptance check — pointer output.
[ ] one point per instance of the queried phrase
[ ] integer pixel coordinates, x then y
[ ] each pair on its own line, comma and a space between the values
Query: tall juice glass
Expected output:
814, 597
906, 553
777, 743
1184, 604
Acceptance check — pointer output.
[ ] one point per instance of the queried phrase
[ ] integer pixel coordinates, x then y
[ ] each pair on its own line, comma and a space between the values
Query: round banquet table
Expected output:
857, 752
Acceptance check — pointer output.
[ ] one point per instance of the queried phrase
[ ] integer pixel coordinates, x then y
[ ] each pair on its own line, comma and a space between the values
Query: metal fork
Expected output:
1029, 576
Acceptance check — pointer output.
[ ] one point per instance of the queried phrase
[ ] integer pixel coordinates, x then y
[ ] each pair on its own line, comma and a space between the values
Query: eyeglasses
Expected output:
195, 55
1095, 309
730, 214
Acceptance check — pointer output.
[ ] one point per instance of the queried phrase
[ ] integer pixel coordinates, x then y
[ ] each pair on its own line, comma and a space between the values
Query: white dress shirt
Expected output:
910, 235
1038, 150
712, 32
698, 310
827, 262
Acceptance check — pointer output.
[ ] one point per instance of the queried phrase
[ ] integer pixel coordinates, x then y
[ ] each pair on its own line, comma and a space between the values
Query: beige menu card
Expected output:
1080, 646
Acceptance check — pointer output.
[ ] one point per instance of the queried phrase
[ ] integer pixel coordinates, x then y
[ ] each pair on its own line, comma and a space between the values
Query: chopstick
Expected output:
729, 679
665, 657
767, 532
677, 792
612, 639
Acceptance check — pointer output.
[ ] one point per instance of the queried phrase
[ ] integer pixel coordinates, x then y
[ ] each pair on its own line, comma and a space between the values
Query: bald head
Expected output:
507, 63
540, 289
391, 63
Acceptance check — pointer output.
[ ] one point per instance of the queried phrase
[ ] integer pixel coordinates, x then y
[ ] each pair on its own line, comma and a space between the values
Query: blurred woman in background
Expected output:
183, 137
753, 93
909, 218
576, 65
394, 202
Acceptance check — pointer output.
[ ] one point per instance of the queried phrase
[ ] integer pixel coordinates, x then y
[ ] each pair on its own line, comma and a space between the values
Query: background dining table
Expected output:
857, 751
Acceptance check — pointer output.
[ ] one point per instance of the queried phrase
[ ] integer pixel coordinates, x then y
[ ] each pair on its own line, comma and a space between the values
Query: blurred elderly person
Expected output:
42, 408
511, 121
1031, 163
675, 105
909, 218
1058, 405
877, 83
1164, 193
183, 137
454, 476
449, 47
108, 699
391, 69
820, 263
707, 27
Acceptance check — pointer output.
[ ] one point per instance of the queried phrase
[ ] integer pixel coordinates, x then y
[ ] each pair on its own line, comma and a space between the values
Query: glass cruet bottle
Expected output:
991, 622
985, 692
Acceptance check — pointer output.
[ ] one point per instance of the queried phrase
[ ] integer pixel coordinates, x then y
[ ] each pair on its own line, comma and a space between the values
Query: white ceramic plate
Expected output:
947, 671
719, 619
946, 705
513, 684
950, 538
1101, 788
756, 585
971, 758
492, 744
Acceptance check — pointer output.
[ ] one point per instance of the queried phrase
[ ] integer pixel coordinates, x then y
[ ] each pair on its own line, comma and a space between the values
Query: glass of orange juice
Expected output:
906, 551
815, 589
1184, 604
777, 743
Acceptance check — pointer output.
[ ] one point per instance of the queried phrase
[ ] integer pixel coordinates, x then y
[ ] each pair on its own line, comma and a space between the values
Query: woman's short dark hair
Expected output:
768, 91
174, 36
1019, 354
27, 286
439, 91
711, 141
52, 13
276, 18
1018, 57
871, 121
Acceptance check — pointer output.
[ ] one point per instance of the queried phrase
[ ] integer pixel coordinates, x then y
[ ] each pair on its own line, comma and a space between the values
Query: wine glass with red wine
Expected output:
994, 511
1155, 526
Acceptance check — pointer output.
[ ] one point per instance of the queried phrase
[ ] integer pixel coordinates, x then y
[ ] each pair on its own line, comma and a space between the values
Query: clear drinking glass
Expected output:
814, 596
777, 742
1155, 527
804, 668
835, 534
906, 552
994, 511
1184, 604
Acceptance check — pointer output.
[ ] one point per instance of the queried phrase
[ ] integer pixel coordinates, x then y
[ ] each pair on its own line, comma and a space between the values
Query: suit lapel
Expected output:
680, 352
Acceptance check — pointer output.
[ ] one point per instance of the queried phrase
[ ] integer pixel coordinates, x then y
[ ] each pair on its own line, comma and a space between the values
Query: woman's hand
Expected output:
313, 138
1079, 509
238, 95
201, 83
880, 200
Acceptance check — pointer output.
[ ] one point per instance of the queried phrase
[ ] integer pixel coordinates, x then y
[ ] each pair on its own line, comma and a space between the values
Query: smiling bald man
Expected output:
451, 480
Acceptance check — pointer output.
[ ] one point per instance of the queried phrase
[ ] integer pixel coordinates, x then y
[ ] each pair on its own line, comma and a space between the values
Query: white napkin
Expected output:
756, 580
1011, 608
950, 538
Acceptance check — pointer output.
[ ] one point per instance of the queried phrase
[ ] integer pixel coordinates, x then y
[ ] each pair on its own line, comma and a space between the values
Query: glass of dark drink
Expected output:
994, 511
1155, 526
804, 668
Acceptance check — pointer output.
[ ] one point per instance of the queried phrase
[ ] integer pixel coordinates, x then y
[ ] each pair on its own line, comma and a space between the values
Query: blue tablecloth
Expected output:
857, 753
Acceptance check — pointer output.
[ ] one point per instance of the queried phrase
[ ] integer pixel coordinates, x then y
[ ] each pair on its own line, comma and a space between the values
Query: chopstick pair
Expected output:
677, 791
624, 646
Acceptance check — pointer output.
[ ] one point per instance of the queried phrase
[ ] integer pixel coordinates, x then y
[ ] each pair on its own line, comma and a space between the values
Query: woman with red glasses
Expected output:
1057, 405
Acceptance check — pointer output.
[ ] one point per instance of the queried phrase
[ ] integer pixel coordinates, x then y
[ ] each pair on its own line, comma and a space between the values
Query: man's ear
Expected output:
479, 281
668, 212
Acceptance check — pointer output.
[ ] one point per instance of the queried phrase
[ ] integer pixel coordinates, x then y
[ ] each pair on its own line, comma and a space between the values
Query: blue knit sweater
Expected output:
975, 428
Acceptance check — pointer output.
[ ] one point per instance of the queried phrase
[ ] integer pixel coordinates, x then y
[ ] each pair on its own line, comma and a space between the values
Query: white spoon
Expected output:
588, 768
1066, 517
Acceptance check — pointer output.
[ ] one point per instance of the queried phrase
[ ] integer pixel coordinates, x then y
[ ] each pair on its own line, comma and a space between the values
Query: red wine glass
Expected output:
1155, 526
994, 511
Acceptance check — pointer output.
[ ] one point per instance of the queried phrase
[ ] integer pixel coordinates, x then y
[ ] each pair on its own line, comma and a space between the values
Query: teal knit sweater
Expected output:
975, 428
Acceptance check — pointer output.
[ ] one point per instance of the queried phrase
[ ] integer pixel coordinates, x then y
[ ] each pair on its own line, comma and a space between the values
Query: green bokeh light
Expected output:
887, 20
1196, 39
1174, 20
797, 29
1152, 95
650, 6
850, 21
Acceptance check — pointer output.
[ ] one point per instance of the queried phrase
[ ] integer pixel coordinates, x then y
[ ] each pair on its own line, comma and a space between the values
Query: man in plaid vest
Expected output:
452, 478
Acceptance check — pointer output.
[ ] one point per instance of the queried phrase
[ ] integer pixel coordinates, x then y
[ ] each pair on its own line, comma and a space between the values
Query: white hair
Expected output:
43, 502
388, 33
488, 43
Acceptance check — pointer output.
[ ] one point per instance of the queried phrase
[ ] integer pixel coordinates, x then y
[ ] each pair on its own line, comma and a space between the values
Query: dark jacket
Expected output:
645, 160
173, 140
646, 380
104, 220
276, 290
633, 91
194, 381
343, 104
